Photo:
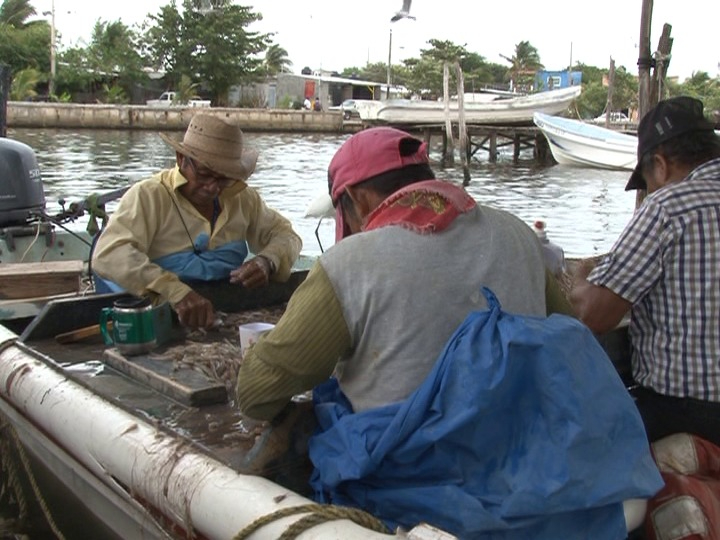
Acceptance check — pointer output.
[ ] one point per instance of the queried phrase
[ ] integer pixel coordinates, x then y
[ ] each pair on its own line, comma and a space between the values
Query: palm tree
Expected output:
186, 90
276, 60
24, 83
16, 12
524, 63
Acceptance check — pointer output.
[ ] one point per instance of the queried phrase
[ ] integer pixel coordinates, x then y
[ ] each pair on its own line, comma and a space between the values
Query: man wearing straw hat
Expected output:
196, 221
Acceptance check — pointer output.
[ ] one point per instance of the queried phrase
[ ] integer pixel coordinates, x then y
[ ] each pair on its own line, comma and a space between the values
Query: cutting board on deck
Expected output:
185, 385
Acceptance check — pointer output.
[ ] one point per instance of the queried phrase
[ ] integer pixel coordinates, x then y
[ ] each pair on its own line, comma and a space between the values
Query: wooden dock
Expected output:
489, 138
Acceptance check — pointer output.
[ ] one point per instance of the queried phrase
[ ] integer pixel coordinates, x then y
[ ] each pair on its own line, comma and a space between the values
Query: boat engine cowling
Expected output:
21, 187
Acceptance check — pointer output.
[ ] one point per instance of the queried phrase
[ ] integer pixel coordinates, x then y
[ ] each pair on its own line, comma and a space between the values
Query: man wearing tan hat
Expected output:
196, 221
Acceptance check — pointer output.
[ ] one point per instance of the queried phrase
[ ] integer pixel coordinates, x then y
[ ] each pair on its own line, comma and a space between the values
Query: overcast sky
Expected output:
333, 34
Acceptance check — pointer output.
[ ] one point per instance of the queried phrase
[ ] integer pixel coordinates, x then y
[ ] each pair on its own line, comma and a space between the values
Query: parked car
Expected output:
169, 99
616, 117
348, 108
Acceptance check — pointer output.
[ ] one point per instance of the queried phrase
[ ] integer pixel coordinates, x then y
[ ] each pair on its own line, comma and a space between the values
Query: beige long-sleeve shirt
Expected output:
151, 220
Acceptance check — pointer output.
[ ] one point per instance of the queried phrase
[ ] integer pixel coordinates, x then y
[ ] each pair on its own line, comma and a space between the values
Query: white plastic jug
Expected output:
552, 253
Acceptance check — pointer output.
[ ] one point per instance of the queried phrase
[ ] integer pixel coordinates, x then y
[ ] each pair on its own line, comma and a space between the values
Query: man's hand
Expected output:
252, 274
596, 306
195, 311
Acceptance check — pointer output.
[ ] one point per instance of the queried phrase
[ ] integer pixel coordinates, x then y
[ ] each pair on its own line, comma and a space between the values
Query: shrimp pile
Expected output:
215, 353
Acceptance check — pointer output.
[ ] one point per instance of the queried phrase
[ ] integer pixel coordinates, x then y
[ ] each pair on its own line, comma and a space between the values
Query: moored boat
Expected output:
41, 258
158, 456
573, 142
501, 110
151, 448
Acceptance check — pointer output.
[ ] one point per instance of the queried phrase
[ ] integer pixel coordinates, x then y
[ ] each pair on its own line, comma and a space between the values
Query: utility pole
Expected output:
4, 94
389, 68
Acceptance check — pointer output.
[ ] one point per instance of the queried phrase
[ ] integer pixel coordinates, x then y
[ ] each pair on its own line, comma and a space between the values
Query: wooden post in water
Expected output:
462, 129
449, 153
662, 61
492, 150
644, 60
651, 88
644, 64
4, 94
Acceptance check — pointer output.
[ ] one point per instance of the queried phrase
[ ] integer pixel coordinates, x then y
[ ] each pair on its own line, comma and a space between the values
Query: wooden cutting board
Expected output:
185, 385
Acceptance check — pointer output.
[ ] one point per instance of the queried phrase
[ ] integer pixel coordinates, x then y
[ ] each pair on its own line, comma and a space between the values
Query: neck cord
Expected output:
187, 231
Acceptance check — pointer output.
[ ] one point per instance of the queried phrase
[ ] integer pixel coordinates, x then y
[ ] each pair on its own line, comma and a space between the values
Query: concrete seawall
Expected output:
101, 116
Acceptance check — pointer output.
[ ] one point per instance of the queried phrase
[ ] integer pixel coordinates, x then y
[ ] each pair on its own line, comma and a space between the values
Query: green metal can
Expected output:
133, 326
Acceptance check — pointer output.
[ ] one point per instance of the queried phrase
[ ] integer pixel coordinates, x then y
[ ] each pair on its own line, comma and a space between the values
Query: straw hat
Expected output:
217, 143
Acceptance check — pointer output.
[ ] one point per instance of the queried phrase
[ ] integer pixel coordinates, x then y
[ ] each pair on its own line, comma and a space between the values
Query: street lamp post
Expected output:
51, 82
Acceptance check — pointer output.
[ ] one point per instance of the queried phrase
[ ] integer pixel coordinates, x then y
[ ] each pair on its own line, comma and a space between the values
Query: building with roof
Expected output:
289, 90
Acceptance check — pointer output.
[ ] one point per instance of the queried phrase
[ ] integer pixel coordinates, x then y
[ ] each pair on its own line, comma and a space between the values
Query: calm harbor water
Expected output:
584, 209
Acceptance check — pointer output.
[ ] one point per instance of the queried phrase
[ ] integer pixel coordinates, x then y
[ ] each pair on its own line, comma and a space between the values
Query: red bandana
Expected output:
424, 207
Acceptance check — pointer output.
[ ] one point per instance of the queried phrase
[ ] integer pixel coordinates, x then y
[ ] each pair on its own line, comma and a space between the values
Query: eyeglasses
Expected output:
206, 177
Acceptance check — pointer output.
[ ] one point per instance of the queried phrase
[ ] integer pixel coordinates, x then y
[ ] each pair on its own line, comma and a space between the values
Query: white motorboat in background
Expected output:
499, 111
573, 142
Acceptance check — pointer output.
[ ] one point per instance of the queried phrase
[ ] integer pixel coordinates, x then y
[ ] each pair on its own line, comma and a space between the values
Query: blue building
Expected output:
552, 80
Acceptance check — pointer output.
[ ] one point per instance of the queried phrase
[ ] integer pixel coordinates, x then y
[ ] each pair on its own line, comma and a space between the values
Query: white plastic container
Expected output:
553, 254
251, 332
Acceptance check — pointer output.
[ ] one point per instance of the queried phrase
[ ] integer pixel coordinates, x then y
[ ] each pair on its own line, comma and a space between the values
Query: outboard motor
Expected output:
21, 188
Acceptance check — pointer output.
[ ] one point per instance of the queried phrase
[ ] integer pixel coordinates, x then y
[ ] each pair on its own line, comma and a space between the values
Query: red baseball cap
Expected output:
367, 154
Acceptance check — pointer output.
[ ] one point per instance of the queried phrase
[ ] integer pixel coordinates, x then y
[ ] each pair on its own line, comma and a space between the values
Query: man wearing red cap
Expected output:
665, 270
378, 307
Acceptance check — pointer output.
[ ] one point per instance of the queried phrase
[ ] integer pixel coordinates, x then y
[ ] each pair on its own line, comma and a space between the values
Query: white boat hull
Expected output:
573, 142
518, 110
139, 480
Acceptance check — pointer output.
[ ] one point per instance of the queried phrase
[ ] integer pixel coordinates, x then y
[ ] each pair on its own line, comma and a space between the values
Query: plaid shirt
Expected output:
667, 263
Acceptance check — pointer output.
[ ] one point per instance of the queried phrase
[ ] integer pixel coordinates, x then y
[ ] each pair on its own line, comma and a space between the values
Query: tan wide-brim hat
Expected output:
216, 143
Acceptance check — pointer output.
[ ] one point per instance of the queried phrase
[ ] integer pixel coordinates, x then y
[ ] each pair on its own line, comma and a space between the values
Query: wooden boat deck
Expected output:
275, 451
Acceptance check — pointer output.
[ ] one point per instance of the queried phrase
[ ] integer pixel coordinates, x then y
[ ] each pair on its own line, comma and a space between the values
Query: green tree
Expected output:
524, 63
75, 74
276, 60
186, 90
425, 74
705, 88
593, 100
24, 84
375, 72
113, 54
16, 12
113, 93
213, 46
162, 41
23, 43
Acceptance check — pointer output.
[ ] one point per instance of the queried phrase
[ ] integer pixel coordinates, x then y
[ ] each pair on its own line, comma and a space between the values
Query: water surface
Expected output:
584, 209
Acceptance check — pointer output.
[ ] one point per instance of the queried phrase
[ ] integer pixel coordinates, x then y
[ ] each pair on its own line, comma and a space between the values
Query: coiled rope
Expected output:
10, 485
8, 428
319, 514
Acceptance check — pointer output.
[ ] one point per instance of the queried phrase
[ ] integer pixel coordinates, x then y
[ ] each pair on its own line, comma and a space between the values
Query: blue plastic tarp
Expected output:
523, 429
